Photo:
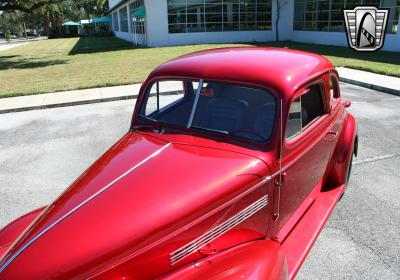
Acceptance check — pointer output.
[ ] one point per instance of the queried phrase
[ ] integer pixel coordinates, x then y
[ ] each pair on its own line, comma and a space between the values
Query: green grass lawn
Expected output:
73, 63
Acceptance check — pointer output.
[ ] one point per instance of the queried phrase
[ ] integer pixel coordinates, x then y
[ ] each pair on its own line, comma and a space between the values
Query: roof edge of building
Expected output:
117, 6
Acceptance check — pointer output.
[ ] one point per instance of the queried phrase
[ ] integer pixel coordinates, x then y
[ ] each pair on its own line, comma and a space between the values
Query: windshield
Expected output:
233, 110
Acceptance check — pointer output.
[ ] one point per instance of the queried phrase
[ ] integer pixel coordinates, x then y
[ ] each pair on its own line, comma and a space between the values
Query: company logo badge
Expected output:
365, 27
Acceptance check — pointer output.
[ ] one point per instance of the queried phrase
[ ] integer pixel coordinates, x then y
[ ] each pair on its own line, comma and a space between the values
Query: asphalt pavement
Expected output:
43, 151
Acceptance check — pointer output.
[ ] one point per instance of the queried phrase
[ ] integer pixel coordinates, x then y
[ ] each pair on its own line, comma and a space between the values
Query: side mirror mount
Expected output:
347, 103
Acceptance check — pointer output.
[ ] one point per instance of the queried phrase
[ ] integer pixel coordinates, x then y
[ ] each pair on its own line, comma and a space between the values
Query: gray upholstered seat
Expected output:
265, 120
224, 114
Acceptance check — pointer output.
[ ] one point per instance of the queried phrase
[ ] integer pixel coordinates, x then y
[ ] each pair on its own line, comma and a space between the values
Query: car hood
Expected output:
140, 191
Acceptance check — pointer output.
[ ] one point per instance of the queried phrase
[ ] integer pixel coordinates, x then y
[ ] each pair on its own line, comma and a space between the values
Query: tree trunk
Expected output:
26, 37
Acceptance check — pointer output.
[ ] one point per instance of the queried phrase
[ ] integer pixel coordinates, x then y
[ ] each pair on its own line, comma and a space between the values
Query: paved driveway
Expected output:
42, 152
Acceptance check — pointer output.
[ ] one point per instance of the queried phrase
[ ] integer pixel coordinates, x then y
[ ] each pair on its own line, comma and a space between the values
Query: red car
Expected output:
234, 161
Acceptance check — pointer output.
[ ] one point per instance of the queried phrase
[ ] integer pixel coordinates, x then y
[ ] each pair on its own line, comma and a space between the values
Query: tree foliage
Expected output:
12, 22
26, 6
47, 15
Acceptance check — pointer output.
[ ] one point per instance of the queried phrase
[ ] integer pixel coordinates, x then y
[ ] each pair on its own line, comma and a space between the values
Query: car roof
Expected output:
280, 69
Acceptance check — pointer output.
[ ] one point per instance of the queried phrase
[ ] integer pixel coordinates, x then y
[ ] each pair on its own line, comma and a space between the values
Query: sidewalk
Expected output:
68, 98
7, 46
370, 80
77, 97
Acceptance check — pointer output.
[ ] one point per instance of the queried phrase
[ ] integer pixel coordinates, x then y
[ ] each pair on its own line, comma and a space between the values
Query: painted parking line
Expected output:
372, 159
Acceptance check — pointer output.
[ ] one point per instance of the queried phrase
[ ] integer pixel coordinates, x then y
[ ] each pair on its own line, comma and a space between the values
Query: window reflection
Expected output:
218, 15
327, 15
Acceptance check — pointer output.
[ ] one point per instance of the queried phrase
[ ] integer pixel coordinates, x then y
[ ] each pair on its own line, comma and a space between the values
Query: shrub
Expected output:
103, 34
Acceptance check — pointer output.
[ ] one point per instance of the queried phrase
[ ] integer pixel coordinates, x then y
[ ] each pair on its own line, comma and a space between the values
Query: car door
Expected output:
336, 110
305, 154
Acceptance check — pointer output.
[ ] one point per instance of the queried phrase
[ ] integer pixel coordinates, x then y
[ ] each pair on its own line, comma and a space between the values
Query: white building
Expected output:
156, 23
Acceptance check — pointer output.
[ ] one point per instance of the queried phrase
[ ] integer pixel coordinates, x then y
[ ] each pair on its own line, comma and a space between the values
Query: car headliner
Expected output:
282, 70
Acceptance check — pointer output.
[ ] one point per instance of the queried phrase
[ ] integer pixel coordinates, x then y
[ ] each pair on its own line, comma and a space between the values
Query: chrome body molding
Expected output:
217, 231
30, 242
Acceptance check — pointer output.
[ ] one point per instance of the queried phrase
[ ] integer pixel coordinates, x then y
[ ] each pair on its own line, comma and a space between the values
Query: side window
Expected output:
304, 110
312, 105
163, 94
333, 88
294, 121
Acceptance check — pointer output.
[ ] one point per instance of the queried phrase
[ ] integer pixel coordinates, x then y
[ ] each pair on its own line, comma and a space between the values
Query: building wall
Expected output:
158, 34
392, 41
124, 36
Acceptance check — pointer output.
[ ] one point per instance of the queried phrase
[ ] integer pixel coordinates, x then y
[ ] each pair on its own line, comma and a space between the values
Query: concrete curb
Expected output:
66, 104
132, 96
371, 86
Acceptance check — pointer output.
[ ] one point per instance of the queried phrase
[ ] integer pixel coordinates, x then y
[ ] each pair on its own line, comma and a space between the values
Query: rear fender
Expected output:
345, 148
262, 259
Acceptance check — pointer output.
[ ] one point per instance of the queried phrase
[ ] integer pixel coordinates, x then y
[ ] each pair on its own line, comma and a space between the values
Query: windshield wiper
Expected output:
210, 129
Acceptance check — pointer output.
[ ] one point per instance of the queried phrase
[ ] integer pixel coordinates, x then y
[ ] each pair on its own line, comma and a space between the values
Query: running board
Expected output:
298, 243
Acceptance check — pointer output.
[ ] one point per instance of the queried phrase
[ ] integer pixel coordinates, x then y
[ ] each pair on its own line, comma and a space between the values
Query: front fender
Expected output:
345, 148
261, 259
10, 232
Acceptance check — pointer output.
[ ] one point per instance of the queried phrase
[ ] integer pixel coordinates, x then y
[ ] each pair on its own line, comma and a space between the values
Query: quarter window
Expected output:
305, 110
333, 87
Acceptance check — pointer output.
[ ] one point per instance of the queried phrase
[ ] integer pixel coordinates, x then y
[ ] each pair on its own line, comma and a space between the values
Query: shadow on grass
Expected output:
99, 44
8, 56
25, 63
340, 52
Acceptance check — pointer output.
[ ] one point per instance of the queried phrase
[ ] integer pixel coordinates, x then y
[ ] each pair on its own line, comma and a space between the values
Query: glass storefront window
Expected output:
123, 19
327, 15
218, 15
115, 22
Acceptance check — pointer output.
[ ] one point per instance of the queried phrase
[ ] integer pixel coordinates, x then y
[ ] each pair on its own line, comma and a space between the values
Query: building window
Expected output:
137, 24
123, 19
327, 15
115, 22
218, 15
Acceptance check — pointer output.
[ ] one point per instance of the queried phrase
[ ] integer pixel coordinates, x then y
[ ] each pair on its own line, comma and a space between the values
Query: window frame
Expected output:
306, 15
214, 20
229, 139
336, 88
143, 104
314, 122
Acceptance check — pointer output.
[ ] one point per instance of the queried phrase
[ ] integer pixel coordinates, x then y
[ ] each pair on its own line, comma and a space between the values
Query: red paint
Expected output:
153, 193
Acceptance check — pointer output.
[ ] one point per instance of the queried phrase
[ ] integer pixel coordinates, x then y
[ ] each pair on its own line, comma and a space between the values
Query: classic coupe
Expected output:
234, 161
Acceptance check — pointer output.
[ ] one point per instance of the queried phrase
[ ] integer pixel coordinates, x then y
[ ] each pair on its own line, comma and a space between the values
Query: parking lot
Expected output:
42, 152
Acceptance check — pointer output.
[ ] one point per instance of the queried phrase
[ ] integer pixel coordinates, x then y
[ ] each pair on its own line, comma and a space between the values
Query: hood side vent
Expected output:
219, 230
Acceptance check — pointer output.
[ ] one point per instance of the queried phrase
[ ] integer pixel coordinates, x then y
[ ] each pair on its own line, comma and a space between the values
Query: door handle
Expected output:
330, 136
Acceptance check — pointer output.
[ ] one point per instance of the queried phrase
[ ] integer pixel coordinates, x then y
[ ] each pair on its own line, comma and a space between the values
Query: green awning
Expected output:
101, 20
71, 23
139, 13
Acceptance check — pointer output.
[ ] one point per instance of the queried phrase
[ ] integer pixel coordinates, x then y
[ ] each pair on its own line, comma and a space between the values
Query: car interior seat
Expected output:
264, 121
224, 114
